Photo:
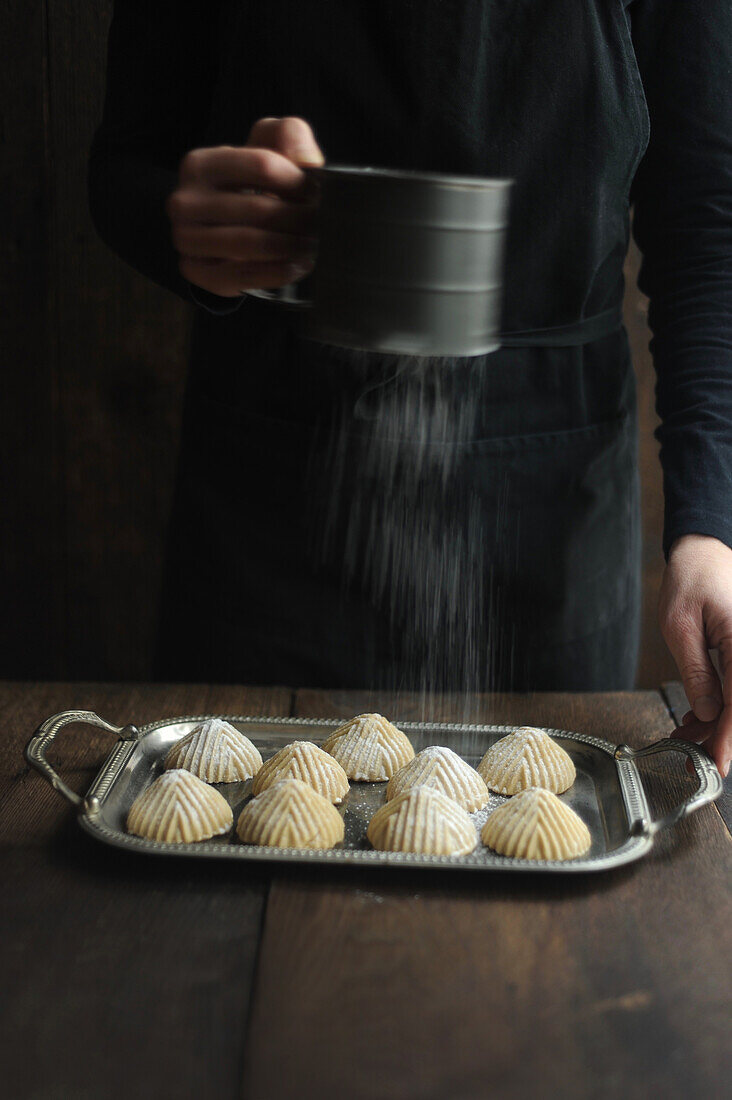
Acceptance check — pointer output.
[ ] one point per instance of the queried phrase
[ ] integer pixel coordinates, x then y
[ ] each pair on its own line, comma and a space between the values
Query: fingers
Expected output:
244, 243
200, 207
692, 729
720, 743
229, 279
230, 169
230, 239
715, 736
292, 137
685, 636
695, 606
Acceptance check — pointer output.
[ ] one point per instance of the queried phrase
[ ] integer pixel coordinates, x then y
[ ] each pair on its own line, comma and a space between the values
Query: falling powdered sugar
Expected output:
404, 523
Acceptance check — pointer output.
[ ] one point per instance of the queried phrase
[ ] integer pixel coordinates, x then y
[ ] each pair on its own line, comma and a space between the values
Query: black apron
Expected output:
546, 92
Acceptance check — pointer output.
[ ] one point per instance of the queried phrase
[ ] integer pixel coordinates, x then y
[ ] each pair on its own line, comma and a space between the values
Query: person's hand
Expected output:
244, 218
695, 613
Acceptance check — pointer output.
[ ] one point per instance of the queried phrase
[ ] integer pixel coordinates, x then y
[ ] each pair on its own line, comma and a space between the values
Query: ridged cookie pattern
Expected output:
369, 748
425, 821
527, 757
179, 808
307, 762
217, 752
536, 825
290, 814
445, 771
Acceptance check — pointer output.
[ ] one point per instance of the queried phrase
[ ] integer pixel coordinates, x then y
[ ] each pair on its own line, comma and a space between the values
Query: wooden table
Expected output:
132, 977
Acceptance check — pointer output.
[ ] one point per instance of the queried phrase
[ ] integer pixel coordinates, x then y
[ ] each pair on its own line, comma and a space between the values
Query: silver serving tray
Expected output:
607, 794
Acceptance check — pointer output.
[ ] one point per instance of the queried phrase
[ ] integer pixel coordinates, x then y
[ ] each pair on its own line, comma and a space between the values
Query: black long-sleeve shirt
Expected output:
182, 76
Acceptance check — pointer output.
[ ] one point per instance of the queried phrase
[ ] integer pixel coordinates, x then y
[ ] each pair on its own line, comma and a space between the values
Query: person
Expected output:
196, 179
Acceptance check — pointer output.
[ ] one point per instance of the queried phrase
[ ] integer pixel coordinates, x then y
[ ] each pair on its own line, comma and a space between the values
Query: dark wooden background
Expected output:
93, 369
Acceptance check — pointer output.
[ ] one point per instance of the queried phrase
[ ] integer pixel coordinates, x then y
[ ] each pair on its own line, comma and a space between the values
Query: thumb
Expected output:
293, 137
686, 639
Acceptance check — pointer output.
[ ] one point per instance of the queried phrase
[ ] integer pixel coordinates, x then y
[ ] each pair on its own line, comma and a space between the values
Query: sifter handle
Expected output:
283, 295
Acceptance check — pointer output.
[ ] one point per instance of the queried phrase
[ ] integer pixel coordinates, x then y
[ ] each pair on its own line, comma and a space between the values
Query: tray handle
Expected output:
710, 783
35, 750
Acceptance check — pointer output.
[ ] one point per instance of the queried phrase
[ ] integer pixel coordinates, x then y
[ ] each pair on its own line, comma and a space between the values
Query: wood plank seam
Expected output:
253, 988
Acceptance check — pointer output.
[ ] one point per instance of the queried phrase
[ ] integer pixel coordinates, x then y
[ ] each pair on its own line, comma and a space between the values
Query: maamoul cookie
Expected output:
445, 771
179, 808
527, 758
422, 820
217, 752
305, 761
290, 814
536, 825
369, 748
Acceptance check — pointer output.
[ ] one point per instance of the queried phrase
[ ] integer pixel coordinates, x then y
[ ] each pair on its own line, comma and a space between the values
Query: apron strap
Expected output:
564, 336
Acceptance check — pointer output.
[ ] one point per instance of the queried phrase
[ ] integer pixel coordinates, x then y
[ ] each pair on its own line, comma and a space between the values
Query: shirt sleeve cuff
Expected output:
691, 522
